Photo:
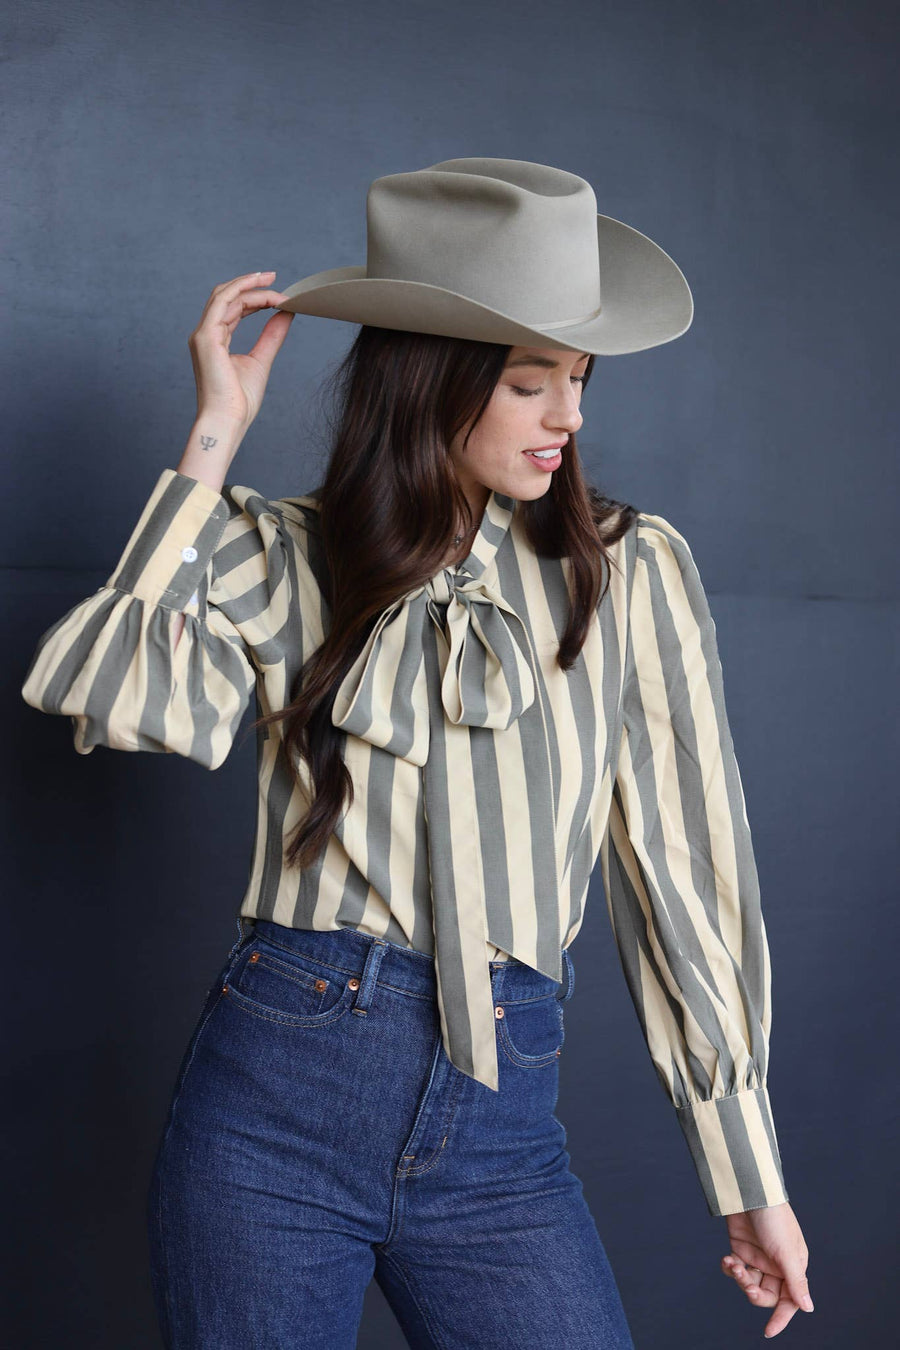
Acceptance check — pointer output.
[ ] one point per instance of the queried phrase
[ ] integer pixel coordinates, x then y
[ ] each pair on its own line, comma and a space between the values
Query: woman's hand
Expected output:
230, 387
768, 1261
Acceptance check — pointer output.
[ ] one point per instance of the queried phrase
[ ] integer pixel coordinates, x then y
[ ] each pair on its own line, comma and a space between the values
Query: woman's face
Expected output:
535, 404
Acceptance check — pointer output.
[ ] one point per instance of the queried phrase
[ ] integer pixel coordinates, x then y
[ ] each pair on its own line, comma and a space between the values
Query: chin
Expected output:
531, 485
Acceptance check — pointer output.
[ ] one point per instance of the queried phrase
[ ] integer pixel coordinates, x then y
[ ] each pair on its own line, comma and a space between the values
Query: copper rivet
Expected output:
255, 956
224, 988
499, 1012
320, 985
559, 1052
354, 984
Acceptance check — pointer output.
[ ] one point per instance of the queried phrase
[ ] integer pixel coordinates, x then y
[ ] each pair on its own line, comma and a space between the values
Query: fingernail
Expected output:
808, 1303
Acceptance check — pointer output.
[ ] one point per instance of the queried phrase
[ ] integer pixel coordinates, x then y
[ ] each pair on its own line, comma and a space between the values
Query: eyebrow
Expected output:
540, 361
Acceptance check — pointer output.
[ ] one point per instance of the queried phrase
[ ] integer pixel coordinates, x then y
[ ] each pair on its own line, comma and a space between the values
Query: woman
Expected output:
475, 676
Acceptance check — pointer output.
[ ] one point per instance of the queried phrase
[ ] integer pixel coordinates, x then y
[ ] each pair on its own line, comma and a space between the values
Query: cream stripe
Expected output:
404, 812
761, 1148
715, 1148
465, 847
715, 792
519, 843
357, 757
264, 779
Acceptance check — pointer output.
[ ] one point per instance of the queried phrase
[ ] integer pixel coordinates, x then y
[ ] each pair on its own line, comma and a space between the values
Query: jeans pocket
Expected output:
532, 1030
287, 987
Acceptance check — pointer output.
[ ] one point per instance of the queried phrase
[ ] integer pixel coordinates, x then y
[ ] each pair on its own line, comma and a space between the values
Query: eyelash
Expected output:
528, 393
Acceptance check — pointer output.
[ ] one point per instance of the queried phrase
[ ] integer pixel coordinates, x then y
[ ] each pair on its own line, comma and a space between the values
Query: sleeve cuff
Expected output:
173, 541
735, 1151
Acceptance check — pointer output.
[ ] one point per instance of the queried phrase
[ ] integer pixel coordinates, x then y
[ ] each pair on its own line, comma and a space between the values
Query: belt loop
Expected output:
568, 981
241, 937
570, 967
366, 990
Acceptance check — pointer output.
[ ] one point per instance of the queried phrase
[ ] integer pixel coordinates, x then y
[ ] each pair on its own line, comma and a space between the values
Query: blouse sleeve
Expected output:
111, 663
682, 885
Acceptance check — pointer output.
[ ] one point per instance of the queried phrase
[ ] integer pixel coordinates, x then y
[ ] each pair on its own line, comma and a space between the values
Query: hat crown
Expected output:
510, 234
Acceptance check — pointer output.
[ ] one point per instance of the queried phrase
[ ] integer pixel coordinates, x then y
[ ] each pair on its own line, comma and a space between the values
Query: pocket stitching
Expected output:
305, 978
267, 1014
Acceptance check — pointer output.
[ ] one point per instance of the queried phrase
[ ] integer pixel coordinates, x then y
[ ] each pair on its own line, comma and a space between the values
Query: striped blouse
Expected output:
487, 781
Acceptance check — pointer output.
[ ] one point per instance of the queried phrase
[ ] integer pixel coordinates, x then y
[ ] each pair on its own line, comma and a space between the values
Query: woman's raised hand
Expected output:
230, 387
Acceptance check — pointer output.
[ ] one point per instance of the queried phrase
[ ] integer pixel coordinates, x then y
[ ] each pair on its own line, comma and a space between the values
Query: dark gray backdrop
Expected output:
152, 151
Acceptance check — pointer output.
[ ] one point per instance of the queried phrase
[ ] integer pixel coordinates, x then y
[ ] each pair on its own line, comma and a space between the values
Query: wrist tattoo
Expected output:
208, 441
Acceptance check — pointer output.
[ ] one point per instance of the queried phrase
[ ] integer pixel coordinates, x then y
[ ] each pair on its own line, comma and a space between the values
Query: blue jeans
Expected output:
318, 1136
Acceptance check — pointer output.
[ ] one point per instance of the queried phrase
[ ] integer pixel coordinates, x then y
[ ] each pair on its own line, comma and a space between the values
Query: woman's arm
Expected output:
211, 446
230, 388
682, 883
683, 894
118, 663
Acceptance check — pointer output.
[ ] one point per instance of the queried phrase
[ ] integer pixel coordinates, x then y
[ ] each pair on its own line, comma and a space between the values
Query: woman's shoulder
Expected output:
282, 533
655, 536
297, 516
302, 510
653, 549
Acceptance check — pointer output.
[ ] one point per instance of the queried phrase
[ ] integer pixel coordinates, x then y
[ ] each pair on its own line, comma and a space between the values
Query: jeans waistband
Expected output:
349, 951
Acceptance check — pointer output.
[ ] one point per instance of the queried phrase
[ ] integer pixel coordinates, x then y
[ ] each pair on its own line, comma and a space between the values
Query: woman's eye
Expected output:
527, 393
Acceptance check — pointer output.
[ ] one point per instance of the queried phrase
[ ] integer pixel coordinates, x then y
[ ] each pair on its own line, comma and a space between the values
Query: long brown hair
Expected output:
401, 399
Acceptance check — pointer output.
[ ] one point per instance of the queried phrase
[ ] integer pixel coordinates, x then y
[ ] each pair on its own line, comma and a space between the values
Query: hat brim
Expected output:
645, 301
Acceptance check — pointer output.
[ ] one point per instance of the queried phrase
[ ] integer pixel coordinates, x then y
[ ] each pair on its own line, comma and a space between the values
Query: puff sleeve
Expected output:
682, 885
112, 664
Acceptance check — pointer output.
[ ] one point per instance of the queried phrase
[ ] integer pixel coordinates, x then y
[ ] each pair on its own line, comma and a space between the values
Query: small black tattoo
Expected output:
208, 441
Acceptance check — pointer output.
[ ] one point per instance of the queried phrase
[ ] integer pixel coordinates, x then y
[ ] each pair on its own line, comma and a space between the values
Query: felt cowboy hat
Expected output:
507, 251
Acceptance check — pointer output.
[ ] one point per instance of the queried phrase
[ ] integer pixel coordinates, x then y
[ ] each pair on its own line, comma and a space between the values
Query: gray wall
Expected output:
152, 151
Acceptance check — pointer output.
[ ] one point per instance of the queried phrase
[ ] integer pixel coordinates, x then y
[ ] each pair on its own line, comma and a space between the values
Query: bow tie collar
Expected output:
484, 658
446, 662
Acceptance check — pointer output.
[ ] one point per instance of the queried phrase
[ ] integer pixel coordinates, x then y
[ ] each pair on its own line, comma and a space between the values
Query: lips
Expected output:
548, 461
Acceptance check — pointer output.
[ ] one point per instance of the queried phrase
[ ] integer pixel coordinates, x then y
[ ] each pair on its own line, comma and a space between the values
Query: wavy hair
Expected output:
401, 399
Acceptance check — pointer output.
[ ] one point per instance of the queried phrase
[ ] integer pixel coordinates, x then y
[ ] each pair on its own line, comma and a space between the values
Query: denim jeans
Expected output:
318, 1136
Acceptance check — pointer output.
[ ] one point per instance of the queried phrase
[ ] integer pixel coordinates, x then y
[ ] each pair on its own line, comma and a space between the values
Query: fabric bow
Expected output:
487, 676
449, 661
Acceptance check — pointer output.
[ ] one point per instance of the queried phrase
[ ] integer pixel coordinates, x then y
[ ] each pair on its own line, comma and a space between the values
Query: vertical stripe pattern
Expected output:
487, 782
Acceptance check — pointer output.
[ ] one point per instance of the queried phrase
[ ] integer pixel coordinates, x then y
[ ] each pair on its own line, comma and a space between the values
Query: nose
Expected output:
567, 417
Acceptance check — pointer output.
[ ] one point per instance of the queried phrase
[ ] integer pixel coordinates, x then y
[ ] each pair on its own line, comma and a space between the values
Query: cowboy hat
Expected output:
507, 251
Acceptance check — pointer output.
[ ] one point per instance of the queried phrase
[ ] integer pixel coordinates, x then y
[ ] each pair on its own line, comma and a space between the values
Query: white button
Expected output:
189, 554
